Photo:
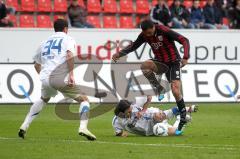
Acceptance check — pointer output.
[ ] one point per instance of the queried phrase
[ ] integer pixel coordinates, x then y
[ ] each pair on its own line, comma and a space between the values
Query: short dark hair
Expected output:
60, 24
122, 106
146, 24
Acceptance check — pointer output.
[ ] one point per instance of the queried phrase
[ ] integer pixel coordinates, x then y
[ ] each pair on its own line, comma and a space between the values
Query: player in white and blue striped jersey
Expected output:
137, 118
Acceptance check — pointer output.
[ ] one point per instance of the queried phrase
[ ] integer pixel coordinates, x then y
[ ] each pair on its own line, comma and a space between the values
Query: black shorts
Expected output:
172, 70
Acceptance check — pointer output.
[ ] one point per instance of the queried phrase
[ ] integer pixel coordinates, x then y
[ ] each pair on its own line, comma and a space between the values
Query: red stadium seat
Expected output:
109, 22
26, 21
81, 3
203, 3
110, 6
60, 6
126, 6
44, 21
44, 6
94, 20
94, 6
13, 3
28, 5
154, 2
170, 2
13, 19
226, 21
142, 6
126, 22
188, 3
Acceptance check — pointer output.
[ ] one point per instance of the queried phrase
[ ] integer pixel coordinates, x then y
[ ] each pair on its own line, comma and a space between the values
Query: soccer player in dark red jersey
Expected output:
167, 59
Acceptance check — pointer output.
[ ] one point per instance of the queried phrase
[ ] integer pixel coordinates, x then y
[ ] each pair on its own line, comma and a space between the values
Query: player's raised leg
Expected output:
32, 114
149, 69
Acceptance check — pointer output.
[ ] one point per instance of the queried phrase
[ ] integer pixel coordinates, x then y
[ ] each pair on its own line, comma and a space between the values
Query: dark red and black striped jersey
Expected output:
162, 44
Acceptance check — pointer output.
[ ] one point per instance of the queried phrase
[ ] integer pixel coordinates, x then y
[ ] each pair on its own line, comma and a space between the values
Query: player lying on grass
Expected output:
54, 61
137, 118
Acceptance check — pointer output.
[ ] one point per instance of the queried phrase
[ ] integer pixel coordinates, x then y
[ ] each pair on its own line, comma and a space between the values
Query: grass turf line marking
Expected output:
193, 146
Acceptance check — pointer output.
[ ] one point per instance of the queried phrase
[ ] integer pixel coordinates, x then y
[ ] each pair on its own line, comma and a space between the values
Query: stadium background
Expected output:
211, 76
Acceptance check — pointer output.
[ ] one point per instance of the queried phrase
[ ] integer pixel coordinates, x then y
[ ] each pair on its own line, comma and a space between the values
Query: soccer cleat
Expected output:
160, 93
86, 133
188, 118
22, 133
183, 119
193, 108
160, 97
178, 132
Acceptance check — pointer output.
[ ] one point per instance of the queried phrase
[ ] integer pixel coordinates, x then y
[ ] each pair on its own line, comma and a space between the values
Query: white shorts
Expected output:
51, 90
47, 91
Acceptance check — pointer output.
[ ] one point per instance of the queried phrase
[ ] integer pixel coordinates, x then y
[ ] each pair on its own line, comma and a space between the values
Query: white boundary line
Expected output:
192, 146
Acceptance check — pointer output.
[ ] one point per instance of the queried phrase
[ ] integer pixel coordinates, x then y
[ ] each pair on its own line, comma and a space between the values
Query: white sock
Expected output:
188, 109
33, 113
84, 113
175, 125
169, 114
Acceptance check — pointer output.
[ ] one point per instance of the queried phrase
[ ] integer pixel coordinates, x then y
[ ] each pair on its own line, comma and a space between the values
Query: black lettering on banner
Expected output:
112, 90
196, 53
234, 78
235, 54
198, 83
130, 84
9, 78
215, 48
151, 54
141, 53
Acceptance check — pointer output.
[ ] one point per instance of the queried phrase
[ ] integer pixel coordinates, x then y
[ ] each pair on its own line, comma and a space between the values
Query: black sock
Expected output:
180, 104
153, 81
183, 112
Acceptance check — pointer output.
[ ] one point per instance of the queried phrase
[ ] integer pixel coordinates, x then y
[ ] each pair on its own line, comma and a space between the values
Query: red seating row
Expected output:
111, 21
93, 6
44, 21
27, 21
43, 5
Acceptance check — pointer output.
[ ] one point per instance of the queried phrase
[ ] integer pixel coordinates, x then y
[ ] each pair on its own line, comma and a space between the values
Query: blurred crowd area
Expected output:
180, 14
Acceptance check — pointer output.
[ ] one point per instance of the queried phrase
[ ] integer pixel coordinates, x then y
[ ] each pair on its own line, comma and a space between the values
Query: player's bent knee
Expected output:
81, 98
147, 65
171, 131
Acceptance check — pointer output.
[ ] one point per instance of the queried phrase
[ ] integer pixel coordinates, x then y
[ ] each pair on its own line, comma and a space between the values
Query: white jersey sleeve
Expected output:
140, 101
117, 126
71, 45
37, 56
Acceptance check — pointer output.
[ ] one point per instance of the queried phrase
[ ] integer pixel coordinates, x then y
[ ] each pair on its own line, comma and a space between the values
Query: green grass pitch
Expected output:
214, 133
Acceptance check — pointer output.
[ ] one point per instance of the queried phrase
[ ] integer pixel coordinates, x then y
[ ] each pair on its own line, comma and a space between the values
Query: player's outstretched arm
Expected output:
70, 63
145, 106
130, 48
37, 67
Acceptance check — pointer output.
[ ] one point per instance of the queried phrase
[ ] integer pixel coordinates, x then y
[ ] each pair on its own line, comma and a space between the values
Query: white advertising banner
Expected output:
207, 46
211, 76
201, 83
